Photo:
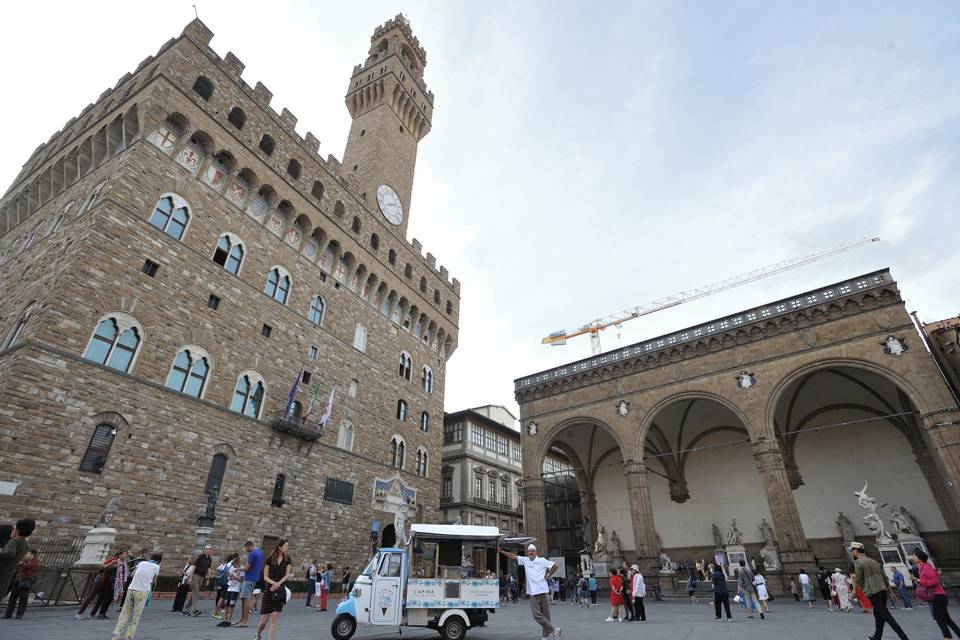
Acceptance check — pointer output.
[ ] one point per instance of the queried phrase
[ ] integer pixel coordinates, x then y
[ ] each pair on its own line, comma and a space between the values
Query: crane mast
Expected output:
594, 327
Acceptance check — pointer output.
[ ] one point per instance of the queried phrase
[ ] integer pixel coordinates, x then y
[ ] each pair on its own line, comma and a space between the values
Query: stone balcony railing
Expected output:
296, 426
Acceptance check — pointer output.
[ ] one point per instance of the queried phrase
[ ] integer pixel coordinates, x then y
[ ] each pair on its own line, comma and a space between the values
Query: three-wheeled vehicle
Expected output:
429, 583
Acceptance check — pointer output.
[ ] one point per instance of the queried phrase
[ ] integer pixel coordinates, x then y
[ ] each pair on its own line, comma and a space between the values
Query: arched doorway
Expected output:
389, 536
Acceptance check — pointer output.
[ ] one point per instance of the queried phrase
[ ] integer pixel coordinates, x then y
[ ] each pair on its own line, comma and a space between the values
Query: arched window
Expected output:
248, 395
406, 365
423, 284
360, 338
354, 388
114, 343
189, 372
424, 421
95, 457
408, 271
355, 225
267, 144
278, 485
237, 117
401, 410
398, 451
374, 241
449, 308
345, 436
91, 199
426, 379
218, 467
14, 334
278, 285
293, 168
171, 215
203, 87
315, 315
392, 257
317, 190
422, 462
229, 253
436, 296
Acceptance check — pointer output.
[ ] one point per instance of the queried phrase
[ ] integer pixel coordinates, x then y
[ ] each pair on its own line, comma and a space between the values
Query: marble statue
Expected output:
584, 535
600, 548
614, 546
666, 565
872, 519
734, 535
400, 526
717, 537
109, 512
904, 524
846, 528
767, 532
771, 561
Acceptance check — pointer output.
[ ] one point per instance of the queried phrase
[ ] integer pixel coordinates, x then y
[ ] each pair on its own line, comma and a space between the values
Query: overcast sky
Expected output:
588, 157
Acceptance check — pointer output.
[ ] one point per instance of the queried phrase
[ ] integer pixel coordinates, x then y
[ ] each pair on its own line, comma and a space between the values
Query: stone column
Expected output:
938, 486
641, 514
535, 512
794, 551
943, 429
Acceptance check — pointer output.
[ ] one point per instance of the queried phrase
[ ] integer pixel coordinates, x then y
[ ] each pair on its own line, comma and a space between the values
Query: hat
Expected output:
531, 547
249, 542
209, 546
837, 570
856, 545
635, 567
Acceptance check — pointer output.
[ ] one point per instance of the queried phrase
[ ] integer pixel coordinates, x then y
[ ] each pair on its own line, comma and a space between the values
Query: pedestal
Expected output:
96, 547
203, 534
586, 564
770, 559
735, 553
908, 544
601, 568
892, 557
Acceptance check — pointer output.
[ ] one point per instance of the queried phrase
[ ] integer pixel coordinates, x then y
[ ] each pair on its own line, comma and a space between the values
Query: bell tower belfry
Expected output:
392, 110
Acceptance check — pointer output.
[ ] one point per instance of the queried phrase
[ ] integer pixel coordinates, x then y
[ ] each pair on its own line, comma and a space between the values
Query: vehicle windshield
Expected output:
371, 566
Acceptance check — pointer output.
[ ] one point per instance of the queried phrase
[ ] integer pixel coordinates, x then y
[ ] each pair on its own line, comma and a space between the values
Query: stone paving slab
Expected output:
671, 620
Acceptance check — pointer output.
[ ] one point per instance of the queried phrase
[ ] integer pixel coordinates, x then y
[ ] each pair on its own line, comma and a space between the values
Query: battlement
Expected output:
400, 22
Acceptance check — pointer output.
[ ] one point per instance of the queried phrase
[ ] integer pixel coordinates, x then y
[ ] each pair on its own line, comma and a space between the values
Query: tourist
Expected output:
537, 570
276, 572
94, 593
900, 584
639, 590
222, 583
861, 597
823, 583
583, 590
762, 594
23, 579
141, 585
13, 552
141, 557
318, 586
592, 587
111, 584
627, 579
311, 582
201, 565
841, 585
183, 587
326, 579
745, 583
793, 589
234, 584
251, 570
873, 581
807, 589
345, 583
616, 596
692, 589
721, 595
929, 580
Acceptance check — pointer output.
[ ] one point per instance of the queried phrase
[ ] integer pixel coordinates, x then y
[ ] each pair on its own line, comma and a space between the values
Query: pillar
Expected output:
535, 512
641, 514
794, 551
943, 429
588, 508
939, 487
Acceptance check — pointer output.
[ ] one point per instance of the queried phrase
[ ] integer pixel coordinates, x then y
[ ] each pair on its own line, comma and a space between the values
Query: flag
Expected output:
293, 394
313, 399
328, 410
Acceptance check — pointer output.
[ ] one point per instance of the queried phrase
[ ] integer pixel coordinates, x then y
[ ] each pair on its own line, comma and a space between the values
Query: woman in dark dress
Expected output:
276, 571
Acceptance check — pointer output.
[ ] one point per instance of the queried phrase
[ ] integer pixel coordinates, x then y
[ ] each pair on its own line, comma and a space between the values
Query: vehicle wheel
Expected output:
344, 626
453, 629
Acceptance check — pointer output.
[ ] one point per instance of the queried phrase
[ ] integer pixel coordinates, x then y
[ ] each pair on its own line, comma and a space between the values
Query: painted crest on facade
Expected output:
164, 139
623, 408
746, 380
533, 428
391, 494
894, 346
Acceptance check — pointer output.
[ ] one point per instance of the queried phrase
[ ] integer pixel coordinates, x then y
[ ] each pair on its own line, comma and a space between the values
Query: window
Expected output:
315, 315
374, 241
266, 330
402, 410
423, 285
360, 338
478, 487
229, 253
446, 489
171, 216
236, 117
150, 268
426, 380
312, 352
436, 296
203, 87
517, 453
278, 285
504, 494
248, 395
408, 272
476, 435
452, 432
306, 377
114, 344
424, 421
345, 436
421, 463
355, 225
501, 443
354, 388
189, 372
213, 302
18, 328
338, 491
267, 144
95, 457
397, 452
218, 467
492, 489
278, 485
317, 190
293, 169
406, 364
449, 308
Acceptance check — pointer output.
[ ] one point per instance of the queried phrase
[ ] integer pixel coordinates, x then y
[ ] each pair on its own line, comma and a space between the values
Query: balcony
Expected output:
295, 426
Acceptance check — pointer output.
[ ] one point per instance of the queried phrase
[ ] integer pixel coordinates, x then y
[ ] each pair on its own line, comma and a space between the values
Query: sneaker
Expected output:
224, 624
215, 616
196, 613
609, 620
761, 617
184, 613
78, 616
556, 633
716, 619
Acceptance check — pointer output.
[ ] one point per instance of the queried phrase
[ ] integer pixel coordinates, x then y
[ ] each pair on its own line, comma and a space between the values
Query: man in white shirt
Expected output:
538, 572
144, 579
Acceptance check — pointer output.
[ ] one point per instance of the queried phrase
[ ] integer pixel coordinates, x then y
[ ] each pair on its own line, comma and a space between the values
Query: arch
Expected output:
267, 145
293, 168
229, 253
278, 284
237, 117
406, 365
21, 323
317, 190
190, 371
423, 462
345, 435
355, 225
259, 204
360, 338
375, 242
389, 537
115, 341
316, 311
339, 210
171, 215
551, 433
203, 87
354, 388
398, 451
392, 257
649, 416
220, 166
248, 394
426, 379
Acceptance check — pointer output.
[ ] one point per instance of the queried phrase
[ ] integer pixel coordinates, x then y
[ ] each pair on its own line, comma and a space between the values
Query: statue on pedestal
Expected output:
846, 529
666, 565
771, 560
767, 532
904, 524
614, 548
872, 519
717, 537
109, 512
734, 535
400, 525
600, 548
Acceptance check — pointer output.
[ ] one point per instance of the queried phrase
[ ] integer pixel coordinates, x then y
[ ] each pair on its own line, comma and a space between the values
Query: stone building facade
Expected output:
778, 413
173, 261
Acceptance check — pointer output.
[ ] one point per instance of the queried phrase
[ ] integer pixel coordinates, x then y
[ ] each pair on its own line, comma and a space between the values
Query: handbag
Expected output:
925, 593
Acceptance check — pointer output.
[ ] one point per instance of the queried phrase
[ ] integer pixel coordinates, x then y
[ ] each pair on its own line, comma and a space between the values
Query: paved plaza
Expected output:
666, 620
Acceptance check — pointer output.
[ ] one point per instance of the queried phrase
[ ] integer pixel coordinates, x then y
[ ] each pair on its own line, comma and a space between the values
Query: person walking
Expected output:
251, 571
692, 589
23, 579
793, 589
138, 593
13, 552
234, 584
900, 584
311, 582
639, 590
538, 571
201, 565
721, 595
807, 588
861, 597
762, 594
873, 581
111, 585
592, 587
616, 596
183, 588
745, 583
276, 572
929, 584
823, 584
841, 584
345, 583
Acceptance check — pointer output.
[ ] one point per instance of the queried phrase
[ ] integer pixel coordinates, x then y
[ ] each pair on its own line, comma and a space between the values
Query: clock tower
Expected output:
392, 110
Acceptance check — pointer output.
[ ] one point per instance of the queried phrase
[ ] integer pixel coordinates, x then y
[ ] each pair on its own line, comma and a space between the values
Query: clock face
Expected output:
389, 203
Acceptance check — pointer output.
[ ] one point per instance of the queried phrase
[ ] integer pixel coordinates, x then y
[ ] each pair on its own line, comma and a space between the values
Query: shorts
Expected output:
221, 593
246, 591
231, 598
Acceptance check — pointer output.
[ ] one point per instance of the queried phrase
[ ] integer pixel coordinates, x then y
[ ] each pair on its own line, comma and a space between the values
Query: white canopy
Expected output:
463, 531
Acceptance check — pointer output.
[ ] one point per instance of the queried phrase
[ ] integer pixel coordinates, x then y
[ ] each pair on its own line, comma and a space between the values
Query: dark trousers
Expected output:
639, 610
104, 598
311, 587
721, 599
938, 608
882, 616
19, 596
593, 597
628, 605
94, 592
181, 597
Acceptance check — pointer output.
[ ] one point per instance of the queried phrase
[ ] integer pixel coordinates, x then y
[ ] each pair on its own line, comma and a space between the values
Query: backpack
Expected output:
223, 575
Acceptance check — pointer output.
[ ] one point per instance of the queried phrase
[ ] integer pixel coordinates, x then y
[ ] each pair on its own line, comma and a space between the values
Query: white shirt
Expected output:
536, 571
143, 576
637, 586
236, 578
804, 578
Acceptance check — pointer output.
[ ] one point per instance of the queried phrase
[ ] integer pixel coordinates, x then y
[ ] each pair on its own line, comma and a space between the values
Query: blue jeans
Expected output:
311, 587
904, 596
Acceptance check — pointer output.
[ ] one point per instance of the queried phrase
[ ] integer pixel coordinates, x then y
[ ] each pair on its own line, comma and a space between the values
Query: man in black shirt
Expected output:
202, 566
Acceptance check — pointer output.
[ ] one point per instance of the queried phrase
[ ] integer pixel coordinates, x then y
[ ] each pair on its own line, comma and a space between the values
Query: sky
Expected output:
588, 157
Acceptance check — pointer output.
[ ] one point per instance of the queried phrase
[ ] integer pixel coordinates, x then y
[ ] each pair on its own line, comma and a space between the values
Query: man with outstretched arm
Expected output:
538, 571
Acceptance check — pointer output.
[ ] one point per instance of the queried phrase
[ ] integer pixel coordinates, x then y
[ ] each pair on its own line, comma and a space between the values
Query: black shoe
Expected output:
7, 617
224, 624
196, 613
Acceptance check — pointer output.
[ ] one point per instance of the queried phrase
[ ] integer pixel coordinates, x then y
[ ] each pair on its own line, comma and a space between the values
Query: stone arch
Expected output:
550, 434
651, 413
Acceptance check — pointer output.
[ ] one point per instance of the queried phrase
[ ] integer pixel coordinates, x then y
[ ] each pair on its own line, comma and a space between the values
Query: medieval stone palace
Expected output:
214, 330
771, 434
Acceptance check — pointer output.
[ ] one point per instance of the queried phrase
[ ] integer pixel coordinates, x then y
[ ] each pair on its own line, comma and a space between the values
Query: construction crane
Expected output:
594, 327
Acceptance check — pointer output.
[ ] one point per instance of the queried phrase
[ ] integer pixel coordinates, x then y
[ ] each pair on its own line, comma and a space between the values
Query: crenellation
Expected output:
456, 286
431, 261
198, 32
313, 144
444, 274
123, 79
334, 163
262, 95
288, 119
417, 247
143, 64
233, 66
105, 93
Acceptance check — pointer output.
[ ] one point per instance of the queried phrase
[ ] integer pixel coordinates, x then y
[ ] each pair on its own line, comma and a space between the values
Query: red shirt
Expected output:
616, 590
929, 578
